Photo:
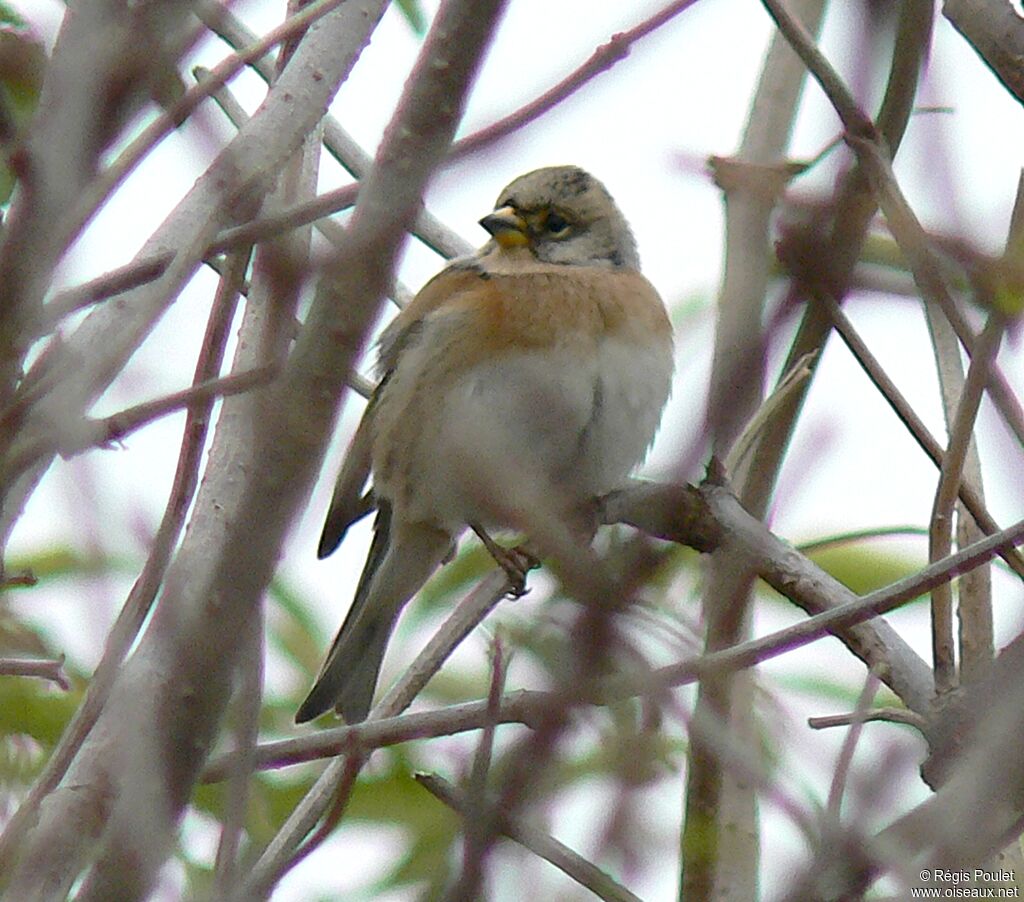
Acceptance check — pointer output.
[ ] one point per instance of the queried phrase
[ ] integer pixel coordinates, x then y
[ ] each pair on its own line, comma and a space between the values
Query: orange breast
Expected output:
532, 310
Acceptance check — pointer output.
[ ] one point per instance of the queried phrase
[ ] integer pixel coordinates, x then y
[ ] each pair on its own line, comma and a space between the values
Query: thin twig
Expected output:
551, 850
479, 815
52, 670
885, 715
247, 715
428, 228
136, 608
460, 623
833, 807
333, 231
110, 430
325, 793
833, 621
603, 58
516, 707
940, 538
913, 423
107, 180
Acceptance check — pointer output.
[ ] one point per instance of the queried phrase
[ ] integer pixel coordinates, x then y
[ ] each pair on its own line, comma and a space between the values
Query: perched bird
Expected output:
532, 372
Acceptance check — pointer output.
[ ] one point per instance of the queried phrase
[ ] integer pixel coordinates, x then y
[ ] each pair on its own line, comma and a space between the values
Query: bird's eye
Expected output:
556, 225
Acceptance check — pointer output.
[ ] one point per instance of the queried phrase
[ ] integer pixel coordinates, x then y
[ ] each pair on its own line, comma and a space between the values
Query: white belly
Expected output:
559, 425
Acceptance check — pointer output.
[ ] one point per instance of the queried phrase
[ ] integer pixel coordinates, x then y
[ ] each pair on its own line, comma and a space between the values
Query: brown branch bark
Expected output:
996, 32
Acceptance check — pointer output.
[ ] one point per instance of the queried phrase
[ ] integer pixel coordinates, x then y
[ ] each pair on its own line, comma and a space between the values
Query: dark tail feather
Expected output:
349, 673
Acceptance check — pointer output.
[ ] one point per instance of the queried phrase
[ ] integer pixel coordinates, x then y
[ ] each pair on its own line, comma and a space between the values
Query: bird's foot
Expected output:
516, 562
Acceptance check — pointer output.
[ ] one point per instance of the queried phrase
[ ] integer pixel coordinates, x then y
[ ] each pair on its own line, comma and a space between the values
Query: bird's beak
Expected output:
507, 227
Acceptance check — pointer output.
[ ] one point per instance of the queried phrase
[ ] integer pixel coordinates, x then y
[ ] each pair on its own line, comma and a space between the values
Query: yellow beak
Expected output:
507, 227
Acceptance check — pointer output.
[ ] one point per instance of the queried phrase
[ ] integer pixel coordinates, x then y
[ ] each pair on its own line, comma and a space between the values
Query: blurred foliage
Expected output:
22, 65
414, 15
857, 561
619, 748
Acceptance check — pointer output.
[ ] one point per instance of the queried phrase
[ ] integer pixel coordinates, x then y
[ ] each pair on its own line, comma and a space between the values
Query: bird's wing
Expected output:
350, 503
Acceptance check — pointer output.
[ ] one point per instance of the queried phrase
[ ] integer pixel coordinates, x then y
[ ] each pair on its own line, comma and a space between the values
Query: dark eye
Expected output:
556, 225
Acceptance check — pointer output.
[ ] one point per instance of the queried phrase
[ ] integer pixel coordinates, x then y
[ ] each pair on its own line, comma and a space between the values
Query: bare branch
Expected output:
606, 56
129, 621
833, 807
478, 812
547, 847
516, 707
996, 31
914, 424
236, 180
52, 670
703, 517
836, 620
885, 715
101, 187
107, 61
940, 537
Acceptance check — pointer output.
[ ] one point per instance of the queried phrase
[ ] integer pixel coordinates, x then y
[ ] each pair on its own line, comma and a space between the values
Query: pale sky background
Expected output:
682, 95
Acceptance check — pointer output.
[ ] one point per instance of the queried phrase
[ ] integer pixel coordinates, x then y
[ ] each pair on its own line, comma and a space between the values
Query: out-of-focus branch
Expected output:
547, 847
996, 31
720, 844
913, 423
342, 146
101, 187
940, 533
109, 58
280, 853
845, 229
874, 149
131, 617
987, 776
85, 363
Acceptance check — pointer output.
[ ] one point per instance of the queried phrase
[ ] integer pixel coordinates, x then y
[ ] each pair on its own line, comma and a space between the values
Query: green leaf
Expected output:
414, 15
398, 800
860, 564
32, 719
10, 16
22, 65
864, 570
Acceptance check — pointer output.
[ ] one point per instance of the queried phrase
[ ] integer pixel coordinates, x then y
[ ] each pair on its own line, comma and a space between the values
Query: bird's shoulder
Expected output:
488, 307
